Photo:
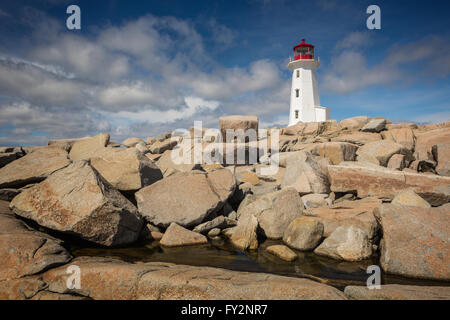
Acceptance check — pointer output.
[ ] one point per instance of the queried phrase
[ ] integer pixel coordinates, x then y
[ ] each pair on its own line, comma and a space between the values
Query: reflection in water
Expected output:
222, 255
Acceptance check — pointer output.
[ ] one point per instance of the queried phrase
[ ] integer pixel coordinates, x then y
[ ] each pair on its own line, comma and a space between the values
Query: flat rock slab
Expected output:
415, 241
185, 198
78, 201
106, 279
176, 236
398, 292
25, 252
359, 138
372, 180
34, 167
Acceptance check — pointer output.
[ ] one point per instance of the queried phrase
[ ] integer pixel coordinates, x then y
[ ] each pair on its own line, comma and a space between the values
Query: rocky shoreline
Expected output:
346, 191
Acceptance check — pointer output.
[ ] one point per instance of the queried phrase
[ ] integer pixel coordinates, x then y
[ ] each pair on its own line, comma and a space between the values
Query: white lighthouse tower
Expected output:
305, 100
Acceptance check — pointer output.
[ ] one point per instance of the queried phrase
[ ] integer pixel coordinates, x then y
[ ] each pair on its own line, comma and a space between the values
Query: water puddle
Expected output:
222, 255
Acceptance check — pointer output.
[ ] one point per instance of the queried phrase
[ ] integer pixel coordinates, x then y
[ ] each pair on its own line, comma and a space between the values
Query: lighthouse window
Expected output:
297, 93
298, 73
296, 114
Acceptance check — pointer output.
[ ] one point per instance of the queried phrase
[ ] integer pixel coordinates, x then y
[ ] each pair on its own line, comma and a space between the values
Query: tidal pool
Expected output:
222, 255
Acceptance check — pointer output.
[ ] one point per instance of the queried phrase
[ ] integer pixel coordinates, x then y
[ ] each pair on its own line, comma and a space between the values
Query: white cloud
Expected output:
349, 71
148, 74
355, 40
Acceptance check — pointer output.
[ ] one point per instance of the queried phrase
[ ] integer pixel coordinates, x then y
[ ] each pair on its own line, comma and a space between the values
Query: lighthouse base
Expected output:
322, 114
319, 114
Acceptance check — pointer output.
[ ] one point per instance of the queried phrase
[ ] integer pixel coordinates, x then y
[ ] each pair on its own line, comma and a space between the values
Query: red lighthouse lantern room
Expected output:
303, 51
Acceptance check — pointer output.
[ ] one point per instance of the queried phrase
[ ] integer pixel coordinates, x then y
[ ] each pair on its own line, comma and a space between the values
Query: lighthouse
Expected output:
305, 101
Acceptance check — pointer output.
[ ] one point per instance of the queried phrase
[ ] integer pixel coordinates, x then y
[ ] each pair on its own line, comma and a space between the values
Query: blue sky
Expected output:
140, 68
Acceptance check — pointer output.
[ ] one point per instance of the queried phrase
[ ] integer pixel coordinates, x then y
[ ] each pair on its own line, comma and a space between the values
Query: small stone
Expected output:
410, 198
214, 232
132, 142
176, 235
282, 252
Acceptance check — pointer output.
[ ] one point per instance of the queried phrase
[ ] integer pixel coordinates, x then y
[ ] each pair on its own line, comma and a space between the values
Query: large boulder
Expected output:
371, 180
78, 201
336, 152
275, 211
375, 125
167, 281
185, 198
126, 169
237, 122
426, 140
303, 233
176, 236
34, 167
26, 252
403, 136
441, 154
358, 213
380, 152
415, 241
354, 123
84, 149
398, 292
307, 174
346, 243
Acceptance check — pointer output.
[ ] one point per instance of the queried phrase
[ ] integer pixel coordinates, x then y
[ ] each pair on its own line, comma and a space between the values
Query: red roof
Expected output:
303, 44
